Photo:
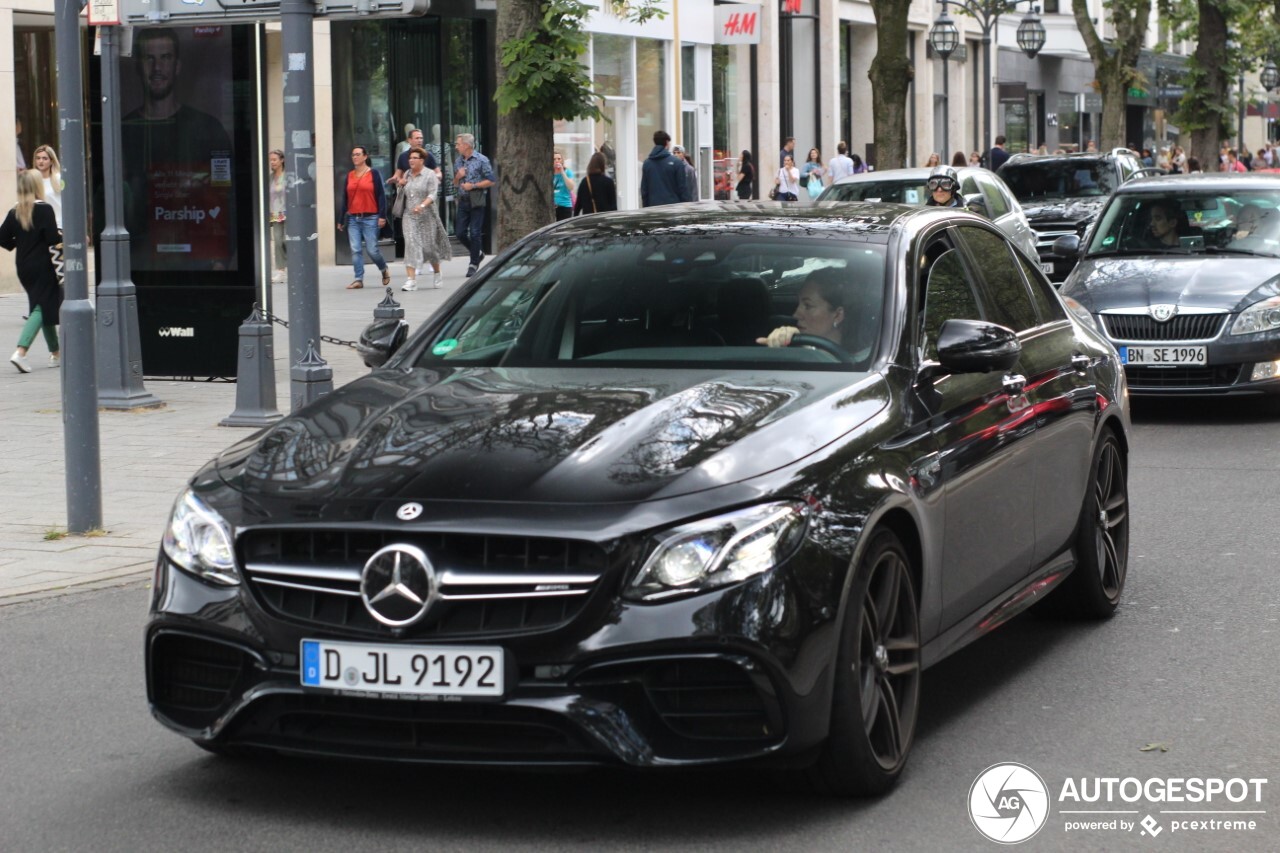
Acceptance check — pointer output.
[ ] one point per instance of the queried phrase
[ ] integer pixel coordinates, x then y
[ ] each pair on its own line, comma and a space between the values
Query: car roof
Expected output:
920, 174
744, 218
1212, 181
1029, 158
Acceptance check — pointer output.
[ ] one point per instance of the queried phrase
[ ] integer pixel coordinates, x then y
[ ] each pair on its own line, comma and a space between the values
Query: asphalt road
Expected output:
1188, 664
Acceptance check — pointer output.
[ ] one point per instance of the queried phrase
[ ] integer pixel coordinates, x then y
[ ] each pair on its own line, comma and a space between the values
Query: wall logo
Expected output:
1008, 803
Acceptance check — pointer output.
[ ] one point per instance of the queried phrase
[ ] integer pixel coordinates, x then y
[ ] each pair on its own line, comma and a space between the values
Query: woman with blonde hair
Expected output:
31, 229
935, 159
46, 162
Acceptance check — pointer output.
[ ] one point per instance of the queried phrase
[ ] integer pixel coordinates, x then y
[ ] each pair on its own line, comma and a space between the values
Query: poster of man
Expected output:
176, 95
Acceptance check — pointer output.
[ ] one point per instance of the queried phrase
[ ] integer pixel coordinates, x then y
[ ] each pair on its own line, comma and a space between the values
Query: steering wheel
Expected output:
828, 346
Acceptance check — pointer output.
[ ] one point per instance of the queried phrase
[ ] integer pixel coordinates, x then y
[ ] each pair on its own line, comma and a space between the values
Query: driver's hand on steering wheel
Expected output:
779, 337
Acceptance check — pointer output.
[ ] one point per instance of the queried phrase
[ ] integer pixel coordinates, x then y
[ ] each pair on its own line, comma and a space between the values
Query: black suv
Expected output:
1062, 194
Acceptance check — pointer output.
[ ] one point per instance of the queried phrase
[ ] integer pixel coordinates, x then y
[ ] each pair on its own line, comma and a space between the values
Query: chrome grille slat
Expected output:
487, 584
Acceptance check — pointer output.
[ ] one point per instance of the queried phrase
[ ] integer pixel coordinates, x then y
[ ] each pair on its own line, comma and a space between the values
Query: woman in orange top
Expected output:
363, 212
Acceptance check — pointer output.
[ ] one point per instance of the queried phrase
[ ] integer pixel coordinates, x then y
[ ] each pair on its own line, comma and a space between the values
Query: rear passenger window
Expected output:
996, 201
1005, 294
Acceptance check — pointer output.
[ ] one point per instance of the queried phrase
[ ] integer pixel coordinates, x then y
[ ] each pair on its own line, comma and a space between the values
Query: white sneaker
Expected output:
20, 361
437, 281
55, 359
411, 284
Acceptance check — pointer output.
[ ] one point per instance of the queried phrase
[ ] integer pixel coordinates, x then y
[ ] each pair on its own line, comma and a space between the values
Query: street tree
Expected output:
541, 78
890, 76
1115, 63
1208, 109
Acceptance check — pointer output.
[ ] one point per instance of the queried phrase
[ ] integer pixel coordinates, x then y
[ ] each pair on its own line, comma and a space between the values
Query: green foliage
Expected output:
544, 71
1202, 108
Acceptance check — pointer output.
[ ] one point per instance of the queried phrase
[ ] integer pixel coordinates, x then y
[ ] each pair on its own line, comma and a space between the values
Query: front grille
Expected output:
1046, 234
193, 678
1207, 376
708, 699
487, 584
1183, 327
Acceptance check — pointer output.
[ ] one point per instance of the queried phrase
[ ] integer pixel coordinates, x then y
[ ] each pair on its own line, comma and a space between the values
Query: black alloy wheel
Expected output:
1102, 538
877, 684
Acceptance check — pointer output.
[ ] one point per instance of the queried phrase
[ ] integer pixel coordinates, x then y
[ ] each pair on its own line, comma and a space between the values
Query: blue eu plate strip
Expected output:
310, 662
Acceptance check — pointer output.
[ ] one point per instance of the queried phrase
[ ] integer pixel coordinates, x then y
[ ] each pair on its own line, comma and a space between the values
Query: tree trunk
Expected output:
1211, 93
525, 145
1116, 63
1113, 84
890, 77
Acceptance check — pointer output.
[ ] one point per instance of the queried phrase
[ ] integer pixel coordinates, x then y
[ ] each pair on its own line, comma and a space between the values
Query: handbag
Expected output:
475, 198
397, 206
773, 194
55, 255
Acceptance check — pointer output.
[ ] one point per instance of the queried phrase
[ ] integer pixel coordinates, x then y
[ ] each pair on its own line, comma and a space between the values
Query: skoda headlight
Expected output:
1082, 313
722, 550
1261, 316
198, 540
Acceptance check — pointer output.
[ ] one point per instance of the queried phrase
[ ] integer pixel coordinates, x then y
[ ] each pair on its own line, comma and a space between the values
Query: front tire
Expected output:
877, 682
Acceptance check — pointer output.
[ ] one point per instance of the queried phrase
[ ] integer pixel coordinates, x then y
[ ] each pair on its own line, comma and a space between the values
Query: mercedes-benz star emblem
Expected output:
409, 511
398, 585
1162, 313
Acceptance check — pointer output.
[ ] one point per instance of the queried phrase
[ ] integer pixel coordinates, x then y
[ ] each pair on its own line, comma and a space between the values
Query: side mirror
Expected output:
977, 203
380, 340
1067, 246
976, 346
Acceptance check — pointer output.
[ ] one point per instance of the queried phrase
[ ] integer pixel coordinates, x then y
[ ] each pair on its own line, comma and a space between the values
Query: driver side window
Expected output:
948, 294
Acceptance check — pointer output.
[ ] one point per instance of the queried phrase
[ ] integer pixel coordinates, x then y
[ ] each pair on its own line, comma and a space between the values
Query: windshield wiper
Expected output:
1132, 253
1229, 250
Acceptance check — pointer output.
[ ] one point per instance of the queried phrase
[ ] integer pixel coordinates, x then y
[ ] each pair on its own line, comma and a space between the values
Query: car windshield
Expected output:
1059, 179
896, 191
1233, 222
670, 300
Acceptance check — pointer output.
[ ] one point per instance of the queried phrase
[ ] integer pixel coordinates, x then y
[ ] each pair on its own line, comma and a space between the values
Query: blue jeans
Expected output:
362, 233
470, 227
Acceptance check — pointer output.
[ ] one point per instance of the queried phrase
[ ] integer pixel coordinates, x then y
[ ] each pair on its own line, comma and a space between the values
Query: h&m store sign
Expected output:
739, 23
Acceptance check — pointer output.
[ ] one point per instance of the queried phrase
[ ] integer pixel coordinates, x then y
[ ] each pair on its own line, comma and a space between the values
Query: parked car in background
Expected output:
583, 515
1182, 275
990, 196
1061, 194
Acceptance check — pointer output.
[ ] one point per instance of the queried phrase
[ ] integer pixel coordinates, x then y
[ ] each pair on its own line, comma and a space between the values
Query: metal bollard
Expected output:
313, 370
255, 375
388, 309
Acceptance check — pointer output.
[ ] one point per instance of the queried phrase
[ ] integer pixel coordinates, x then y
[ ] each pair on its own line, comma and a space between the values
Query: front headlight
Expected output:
198, 541
1261, 316
722, 550
1082, 313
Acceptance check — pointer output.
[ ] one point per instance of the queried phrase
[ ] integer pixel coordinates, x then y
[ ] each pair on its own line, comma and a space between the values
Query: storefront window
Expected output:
688, 72
1068, 122
1015, 127
729, 131
651, 104
612, 66
35, 93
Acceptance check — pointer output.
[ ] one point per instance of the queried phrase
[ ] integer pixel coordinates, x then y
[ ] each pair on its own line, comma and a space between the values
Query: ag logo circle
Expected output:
1008, 803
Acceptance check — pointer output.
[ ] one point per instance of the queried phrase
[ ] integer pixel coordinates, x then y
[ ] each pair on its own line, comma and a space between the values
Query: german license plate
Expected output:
408, 670
1162, 355
1046, 267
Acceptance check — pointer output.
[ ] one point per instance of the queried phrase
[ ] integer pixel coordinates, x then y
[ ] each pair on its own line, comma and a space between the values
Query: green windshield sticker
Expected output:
445, 347
1107, 241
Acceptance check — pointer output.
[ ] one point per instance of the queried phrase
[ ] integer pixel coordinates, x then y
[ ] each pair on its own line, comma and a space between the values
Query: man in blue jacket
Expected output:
662, 178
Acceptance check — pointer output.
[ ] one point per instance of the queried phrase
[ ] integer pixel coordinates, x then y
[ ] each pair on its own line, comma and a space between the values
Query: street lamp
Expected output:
1031, 38
1270, 76
945, 38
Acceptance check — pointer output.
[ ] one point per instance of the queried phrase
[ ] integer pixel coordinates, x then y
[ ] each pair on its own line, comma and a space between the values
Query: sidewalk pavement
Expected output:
146, 455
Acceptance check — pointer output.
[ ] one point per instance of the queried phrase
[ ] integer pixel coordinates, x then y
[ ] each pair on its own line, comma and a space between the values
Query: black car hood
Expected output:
1230, 282
1062, 209
550, 436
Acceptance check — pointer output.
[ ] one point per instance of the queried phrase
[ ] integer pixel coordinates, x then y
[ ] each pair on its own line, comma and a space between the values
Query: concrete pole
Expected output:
119, 342
310, 377
81, 446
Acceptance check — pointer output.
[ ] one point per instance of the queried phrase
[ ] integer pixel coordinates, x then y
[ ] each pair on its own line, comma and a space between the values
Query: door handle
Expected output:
1080, 362
1013, 383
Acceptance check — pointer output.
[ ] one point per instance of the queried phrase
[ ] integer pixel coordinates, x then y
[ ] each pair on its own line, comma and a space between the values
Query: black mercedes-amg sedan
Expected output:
699, 484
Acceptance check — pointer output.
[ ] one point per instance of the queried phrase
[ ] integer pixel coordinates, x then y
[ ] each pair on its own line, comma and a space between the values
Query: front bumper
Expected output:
1228, 369
741, 673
